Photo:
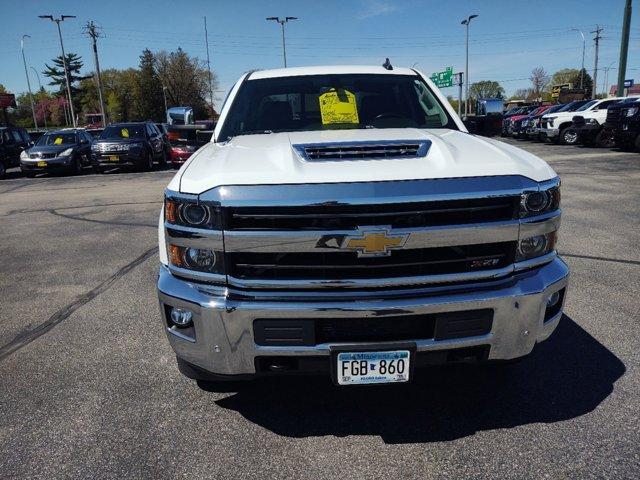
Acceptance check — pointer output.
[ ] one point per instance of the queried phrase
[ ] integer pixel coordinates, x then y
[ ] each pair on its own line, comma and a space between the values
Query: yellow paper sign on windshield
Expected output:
124, 132
338, 106
58, 141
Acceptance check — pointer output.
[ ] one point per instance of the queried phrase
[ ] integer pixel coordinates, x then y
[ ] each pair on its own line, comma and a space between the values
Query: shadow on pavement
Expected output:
567, 376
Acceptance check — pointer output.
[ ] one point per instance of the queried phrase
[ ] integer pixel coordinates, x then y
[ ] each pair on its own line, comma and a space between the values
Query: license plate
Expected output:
114, 158
355, 368
42, 164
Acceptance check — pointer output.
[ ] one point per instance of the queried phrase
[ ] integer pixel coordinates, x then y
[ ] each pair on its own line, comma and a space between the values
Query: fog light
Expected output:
553, 299
532, 247
180, 317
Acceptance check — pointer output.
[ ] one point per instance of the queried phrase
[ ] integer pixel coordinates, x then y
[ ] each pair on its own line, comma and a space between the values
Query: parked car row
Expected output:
605, 122
70, 150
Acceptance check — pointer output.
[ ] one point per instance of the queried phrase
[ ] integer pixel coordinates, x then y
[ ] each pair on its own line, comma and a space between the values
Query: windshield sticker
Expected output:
338, 106
125, 133
58, 141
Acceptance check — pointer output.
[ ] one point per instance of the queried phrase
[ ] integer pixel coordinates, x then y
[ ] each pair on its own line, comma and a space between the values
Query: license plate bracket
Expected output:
388, 351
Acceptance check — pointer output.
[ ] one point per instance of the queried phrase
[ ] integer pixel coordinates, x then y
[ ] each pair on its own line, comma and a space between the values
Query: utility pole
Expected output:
624, 48
596, 39
206, 39
44, 113
282, 22
466, 22
64, 60
26, 72
164, 95
91, 30
460, 81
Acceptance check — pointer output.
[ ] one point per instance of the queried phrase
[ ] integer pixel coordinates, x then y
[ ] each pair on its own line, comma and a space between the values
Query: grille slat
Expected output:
363, 151
399, 215
347, 265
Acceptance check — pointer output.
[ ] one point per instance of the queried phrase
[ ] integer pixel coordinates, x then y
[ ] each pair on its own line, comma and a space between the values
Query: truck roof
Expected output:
323, 70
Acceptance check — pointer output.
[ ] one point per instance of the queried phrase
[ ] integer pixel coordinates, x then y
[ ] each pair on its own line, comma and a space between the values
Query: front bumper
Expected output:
223, 338
550, 132
46, 164
117, 158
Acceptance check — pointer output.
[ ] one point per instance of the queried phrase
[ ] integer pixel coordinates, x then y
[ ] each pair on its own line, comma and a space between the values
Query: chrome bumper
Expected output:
224, 342
550, 132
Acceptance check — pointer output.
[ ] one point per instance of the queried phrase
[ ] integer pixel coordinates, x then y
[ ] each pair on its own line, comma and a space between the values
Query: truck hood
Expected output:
271, 159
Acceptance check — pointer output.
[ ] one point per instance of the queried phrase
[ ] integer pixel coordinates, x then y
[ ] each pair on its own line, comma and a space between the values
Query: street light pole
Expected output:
466, 23
284, 46
26, 72
584, 44
64, 60
44, 114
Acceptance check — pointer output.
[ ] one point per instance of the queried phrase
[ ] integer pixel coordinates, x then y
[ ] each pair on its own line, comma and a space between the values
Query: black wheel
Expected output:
147, 162
3, 170
164, 158
76, 166
569, 136
605, 138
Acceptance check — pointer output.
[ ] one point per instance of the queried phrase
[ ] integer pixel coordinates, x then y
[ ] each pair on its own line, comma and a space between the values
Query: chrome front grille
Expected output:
364, 150
42, 155
398, 215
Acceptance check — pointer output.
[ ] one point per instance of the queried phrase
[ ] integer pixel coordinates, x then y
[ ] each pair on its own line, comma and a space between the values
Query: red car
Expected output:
185, 140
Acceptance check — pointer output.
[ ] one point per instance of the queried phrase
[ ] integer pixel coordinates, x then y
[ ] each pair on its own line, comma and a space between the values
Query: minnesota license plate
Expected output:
113, 158
356, 368
42, 164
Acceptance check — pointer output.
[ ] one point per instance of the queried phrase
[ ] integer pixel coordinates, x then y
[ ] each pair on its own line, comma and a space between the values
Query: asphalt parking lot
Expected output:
89, 387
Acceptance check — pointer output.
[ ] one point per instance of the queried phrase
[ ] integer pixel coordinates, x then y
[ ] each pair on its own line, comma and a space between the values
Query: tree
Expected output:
120, 90
149, 95
587, 81
56, 74
539, 80
522, 94
453, 102
486, 89
2, 89
186, 79
564, 76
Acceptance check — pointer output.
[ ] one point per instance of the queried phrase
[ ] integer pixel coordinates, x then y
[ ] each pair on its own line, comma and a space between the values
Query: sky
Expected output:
507, 40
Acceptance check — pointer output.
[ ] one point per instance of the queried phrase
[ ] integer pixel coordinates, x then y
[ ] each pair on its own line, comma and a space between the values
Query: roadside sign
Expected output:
7, 100
557, 89
443, 79
628, 83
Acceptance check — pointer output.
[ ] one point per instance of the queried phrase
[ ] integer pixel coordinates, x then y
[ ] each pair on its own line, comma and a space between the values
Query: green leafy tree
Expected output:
56, 76
587, 81
186, 79
486, 89
566, 75
148, 91
2, 89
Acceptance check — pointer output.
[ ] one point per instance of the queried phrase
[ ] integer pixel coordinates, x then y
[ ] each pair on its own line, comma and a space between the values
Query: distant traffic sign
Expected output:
443, 79
628, 83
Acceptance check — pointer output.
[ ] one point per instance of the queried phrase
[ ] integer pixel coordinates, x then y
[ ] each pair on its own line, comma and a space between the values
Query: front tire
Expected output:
568, 136
605, 138
147, 163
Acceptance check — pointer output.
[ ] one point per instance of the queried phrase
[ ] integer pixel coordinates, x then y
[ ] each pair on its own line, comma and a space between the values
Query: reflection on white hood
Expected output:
271, 159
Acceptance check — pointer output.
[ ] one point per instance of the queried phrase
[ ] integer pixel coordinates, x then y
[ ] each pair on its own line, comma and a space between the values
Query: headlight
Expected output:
192, 214
24, 155
537, 246
95, 147
66, 153
631, 112
200, 259
539, 202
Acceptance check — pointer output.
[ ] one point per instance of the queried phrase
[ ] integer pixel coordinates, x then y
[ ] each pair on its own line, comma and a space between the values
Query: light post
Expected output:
44, 113
64, 60
584, 43
466, 23
164, 95
282, 22
26, 72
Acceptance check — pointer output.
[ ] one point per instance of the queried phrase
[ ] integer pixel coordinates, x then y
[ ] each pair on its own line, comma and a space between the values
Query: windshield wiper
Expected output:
254, 132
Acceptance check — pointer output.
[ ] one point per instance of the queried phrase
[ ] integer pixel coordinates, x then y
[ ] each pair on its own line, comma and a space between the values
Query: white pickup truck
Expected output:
343, 221
558, 126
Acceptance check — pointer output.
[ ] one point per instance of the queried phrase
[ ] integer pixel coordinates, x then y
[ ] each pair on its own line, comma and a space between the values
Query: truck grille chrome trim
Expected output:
363, 150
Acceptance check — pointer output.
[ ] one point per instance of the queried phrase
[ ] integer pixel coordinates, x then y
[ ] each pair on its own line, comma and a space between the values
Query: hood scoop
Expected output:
368, 150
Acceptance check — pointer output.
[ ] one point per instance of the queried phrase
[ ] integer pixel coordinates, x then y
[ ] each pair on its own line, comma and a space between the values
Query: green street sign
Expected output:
443, 79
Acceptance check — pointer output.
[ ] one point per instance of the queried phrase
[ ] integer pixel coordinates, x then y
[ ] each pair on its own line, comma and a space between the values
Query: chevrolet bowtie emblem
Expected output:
374, 242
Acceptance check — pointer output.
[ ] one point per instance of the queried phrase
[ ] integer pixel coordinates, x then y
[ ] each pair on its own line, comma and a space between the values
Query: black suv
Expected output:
623, 119
136, 144
67, 150
13, 141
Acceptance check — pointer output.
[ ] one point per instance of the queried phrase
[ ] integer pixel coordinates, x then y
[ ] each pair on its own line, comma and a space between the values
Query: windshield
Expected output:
586, 105
555, 108
57, 139
331, 102
122, 132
